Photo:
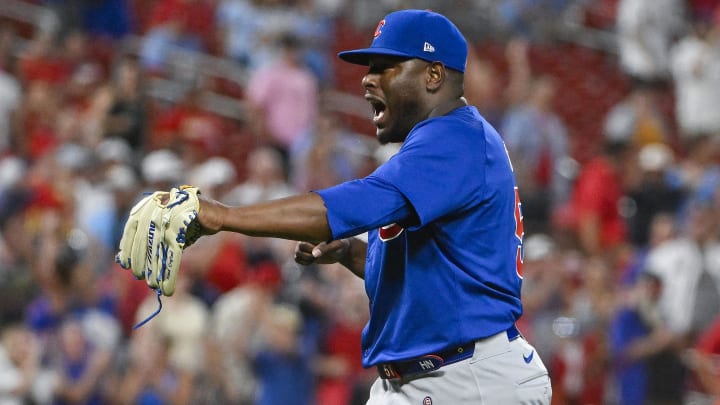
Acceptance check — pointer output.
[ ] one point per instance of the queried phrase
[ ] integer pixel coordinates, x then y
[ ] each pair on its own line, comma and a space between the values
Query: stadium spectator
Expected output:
341, 377
194, 19
223, 264
20, 365
123, 183
189, 128
645, 31
148, 376
284, 370
128, 115
580, 363
91, 200
543, 277
40, 62
704, 388
85, 353
283, 96
653, 193
530, 18
238, 23
327, 154
162, 168
698, 173
36, 133
637, 118
694, 300
638, 336
537, 141
181, 327
234, 319
16, 242
266, 179
315, 28
215, 176
592, 214
695, 64
482, 88
10, 99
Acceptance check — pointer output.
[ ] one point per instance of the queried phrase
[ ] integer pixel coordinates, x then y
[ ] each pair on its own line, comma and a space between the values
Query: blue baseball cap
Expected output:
421, 34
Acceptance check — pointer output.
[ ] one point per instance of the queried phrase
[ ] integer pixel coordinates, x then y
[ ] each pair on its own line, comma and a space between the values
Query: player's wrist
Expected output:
212, 216
343, 253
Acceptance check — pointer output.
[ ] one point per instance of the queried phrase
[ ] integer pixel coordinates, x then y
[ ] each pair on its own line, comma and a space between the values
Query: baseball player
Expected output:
443, 259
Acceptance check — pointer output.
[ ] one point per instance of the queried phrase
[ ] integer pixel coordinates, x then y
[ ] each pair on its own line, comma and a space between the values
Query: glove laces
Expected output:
154, 314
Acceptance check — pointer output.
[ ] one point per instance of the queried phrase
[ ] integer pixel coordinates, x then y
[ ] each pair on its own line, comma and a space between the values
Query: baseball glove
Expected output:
157, 231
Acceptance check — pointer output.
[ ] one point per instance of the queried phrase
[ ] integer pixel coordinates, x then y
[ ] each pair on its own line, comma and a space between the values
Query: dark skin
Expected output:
403, 92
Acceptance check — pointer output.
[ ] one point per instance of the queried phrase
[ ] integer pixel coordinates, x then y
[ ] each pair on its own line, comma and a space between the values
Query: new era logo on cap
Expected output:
418, 34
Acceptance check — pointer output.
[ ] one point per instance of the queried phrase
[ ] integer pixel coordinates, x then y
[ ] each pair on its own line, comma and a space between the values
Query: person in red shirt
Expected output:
594, 215
706, 364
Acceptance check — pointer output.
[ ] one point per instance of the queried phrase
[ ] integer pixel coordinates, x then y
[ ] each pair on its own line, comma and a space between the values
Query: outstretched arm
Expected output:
301, 217
163, 224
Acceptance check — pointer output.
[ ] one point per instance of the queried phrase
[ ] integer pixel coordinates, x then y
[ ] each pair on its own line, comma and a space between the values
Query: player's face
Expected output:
395, 88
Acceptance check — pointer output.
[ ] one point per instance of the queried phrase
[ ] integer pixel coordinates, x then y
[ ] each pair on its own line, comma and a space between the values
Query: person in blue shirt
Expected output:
442, 263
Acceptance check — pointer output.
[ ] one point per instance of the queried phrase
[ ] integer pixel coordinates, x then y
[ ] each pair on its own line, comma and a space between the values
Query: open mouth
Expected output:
378, 110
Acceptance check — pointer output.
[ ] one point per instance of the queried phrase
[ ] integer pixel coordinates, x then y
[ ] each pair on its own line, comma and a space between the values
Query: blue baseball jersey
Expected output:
444, 238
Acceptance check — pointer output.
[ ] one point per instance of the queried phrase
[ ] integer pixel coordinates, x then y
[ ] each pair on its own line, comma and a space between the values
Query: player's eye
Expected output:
379, 65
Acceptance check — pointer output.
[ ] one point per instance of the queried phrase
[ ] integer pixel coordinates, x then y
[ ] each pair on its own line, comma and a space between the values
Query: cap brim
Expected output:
362, 56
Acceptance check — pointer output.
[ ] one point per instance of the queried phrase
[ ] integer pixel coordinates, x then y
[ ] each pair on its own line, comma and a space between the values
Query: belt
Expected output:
432, 362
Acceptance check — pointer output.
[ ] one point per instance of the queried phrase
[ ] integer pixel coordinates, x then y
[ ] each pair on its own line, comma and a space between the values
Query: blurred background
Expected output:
610, 110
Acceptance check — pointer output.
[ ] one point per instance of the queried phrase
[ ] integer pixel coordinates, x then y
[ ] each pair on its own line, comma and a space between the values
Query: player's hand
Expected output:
322, 253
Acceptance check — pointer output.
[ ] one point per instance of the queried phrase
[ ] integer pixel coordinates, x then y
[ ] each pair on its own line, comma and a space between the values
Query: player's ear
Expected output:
434, 76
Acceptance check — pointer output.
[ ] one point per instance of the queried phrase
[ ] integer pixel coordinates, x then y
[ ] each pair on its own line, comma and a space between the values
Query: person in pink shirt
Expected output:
285, 95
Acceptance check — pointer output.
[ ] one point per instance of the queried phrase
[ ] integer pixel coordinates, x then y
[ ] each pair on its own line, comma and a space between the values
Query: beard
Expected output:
404, 117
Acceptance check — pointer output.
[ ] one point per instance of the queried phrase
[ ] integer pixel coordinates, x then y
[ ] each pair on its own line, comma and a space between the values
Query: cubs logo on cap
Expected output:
421, 34
378, 29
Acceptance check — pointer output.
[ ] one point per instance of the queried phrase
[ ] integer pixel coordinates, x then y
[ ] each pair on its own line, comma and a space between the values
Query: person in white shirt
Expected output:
695, 68
646, 30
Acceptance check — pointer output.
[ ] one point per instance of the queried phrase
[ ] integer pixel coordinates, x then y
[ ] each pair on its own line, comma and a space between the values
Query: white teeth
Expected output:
378, 110
378, 116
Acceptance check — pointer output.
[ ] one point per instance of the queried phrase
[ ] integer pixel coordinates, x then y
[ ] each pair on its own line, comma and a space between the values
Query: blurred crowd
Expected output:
622, 248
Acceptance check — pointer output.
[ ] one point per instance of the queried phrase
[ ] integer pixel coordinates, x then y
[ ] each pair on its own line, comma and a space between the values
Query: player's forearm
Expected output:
354, 259
302, 217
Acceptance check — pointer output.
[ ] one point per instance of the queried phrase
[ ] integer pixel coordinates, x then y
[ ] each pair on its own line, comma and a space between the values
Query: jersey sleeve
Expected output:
438, 170
360, 205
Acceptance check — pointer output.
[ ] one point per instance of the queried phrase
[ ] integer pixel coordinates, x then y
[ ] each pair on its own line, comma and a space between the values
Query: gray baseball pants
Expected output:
500, 372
